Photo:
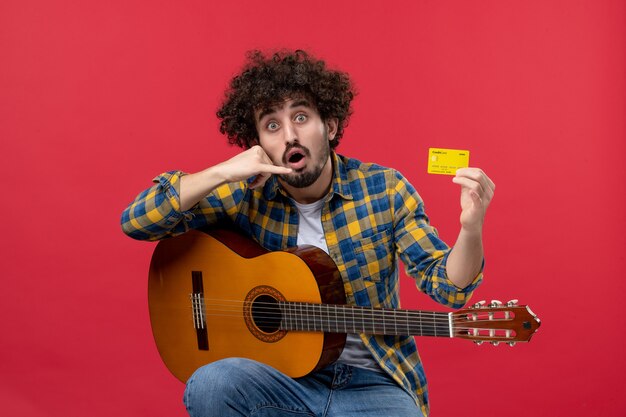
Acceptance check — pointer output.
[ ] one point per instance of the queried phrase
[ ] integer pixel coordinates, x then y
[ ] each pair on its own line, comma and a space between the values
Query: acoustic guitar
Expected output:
214, 295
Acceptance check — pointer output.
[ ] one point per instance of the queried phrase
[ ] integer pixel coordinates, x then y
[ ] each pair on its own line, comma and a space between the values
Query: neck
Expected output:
315, 191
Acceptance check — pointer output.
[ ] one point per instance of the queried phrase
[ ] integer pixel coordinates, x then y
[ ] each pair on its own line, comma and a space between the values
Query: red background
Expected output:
97, 97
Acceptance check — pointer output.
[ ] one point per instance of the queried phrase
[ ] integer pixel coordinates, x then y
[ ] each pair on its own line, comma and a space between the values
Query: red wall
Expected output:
97, 97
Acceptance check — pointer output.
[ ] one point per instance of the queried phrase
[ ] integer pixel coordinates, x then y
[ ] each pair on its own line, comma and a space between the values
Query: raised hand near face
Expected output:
252, 162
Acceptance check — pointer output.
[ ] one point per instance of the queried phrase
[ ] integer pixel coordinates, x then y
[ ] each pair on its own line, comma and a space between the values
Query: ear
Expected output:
332, 125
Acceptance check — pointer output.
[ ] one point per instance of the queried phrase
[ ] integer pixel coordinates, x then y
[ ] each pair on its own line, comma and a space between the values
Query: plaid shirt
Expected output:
371, 216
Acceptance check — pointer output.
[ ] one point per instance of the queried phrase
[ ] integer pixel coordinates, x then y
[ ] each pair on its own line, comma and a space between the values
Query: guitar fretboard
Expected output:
354, 319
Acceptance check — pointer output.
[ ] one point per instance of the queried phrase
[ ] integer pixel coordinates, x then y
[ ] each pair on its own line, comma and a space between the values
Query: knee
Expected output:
220, 381
218, 375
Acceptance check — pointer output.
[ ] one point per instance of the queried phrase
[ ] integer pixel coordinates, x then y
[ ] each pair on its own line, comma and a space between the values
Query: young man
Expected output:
288, 187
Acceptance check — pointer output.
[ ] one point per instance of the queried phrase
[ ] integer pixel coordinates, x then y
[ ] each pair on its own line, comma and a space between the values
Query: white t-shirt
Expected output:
310, 232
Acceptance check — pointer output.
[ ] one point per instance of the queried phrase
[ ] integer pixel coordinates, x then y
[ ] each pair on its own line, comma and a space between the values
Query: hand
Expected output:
477, 190
253, 162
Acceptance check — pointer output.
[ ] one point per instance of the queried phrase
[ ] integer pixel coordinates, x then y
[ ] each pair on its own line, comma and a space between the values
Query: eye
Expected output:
272, 126
300, 118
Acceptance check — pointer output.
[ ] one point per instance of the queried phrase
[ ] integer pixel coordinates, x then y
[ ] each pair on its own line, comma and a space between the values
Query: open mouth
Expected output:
295, 157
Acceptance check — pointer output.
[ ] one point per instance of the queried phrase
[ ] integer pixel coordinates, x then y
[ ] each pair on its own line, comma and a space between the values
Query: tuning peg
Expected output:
478, 342
512, 303
495, 343
511, 343
495, 303
479, 304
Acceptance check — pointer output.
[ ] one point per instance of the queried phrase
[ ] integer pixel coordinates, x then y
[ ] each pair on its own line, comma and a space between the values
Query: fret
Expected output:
353, 320
421, 327
320, 314
343, 310
442, 325
319, 318
395, 323
382, 314
302, 315
305, 317
408, 331
297, 317
434, 324
327, 318
363, 319
329, 312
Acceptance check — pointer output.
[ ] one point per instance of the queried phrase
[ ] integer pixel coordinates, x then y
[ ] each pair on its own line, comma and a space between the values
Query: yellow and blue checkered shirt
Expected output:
372, 215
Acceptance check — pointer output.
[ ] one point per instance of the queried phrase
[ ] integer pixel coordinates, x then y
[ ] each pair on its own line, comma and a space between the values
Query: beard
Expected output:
307, 176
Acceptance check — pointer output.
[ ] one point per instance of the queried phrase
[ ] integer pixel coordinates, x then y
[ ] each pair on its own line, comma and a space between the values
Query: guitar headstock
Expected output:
496, 323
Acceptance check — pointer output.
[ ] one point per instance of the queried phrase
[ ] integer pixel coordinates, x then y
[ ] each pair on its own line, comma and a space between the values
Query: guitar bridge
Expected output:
198, 310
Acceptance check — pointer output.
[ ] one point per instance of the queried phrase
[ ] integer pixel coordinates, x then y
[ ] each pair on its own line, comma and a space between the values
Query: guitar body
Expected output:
227, 273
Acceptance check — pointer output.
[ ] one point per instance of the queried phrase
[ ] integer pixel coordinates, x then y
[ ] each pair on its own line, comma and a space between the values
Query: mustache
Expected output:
304, 150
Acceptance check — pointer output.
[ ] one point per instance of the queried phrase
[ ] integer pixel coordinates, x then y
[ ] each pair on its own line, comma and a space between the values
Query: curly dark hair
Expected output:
267, 80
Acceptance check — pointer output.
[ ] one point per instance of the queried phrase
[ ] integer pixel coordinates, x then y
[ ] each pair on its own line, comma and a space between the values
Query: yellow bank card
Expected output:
446, 161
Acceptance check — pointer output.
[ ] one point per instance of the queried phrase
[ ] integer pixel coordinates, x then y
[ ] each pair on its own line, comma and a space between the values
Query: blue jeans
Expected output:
243, 387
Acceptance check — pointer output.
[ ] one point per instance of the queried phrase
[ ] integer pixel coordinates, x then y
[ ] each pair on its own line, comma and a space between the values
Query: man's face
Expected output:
294, 135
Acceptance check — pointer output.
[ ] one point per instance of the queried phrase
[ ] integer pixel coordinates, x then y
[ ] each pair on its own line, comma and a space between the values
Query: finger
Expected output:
470, 184
265, 172
475, 190
477, 199
478, 175
274, 169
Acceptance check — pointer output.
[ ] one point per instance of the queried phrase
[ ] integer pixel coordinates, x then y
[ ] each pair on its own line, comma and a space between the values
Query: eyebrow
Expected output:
297, 103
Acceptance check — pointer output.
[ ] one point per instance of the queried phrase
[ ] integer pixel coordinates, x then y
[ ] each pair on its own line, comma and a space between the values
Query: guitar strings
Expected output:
306, 322
334, 318
413, 328
308, 309
366, 323
312, 308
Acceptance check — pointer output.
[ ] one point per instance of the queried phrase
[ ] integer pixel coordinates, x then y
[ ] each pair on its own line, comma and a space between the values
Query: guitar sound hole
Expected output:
266, 314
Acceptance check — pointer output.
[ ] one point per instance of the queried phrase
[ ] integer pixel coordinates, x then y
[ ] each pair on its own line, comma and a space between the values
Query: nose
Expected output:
290, 134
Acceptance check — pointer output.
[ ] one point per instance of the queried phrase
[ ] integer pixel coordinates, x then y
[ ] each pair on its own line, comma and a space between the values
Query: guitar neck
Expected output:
354, 319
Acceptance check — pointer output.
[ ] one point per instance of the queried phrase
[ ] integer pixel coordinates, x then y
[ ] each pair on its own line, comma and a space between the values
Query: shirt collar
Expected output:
339, 185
